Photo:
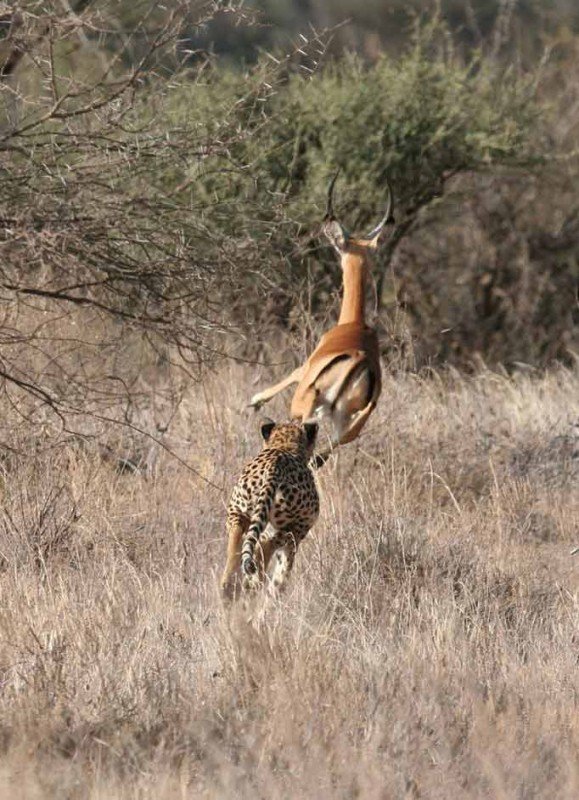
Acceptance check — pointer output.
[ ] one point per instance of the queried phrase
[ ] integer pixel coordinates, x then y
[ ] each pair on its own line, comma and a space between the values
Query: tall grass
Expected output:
427, 645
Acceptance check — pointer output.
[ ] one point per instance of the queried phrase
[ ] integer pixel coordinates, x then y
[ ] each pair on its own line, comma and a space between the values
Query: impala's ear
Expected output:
267, 425
311, 431
337, 235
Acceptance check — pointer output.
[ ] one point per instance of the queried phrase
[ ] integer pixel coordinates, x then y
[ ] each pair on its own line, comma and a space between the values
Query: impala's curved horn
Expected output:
330, 205
388, 216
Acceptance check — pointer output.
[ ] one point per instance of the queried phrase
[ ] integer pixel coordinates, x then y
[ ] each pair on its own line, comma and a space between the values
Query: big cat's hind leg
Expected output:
287, 545
236, 525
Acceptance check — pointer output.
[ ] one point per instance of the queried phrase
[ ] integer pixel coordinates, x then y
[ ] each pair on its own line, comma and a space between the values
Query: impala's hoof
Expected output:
255, 403
319, 459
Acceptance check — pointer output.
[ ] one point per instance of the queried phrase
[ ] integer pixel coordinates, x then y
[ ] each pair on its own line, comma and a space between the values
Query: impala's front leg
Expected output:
263, 397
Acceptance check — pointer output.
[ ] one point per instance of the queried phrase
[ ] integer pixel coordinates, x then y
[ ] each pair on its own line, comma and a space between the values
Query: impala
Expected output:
341, 379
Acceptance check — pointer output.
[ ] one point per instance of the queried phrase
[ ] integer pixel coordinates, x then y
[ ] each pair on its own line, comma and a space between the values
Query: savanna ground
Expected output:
427, 646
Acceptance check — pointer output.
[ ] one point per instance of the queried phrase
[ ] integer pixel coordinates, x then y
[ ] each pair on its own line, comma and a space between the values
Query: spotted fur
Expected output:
276, 487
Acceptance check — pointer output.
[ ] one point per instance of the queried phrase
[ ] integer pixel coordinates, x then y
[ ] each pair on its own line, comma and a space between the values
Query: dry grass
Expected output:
427, 646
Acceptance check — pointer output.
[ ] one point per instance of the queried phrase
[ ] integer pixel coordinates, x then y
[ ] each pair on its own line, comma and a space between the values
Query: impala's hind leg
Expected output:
236, 524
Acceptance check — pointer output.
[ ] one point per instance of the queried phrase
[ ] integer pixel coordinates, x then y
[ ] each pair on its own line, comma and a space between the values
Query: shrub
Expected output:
416, 120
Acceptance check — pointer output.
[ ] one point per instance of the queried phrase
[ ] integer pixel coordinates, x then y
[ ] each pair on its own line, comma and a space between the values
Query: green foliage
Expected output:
186, 202
414, 120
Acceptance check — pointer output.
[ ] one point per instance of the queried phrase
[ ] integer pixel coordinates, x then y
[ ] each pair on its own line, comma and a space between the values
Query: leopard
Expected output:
275, 487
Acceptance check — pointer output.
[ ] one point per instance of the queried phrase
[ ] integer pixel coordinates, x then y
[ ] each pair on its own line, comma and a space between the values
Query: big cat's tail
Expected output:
259, 521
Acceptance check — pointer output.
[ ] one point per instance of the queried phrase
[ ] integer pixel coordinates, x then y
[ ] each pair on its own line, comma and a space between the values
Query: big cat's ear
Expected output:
267, 426
311, 431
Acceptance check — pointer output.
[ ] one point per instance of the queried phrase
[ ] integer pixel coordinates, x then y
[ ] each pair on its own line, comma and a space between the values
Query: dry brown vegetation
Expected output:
150, 217
427, 646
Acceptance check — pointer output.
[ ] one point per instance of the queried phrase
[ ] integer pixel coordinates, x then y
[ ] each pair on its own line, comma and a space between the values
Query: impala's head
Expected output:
292, 436
341, 239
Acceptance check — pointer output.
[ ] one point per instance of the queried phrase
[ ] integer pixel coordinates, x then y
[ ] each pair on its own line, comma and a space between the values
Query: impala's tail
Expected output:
259, 520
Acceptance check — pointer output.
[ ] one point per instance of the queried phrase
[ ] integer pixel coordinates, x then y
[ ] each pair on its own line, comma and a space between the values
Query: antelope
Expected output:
341, 379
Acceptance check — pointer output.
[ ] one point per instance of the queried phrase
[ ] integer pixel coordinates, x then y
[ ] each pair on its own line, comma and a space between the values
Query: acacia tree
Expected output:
106, 266
417, 120
150, 199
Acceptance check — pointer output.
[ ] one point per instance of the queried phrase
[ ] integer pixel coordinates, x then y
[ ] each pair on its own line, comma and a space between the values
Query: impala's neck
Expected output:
353, 268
